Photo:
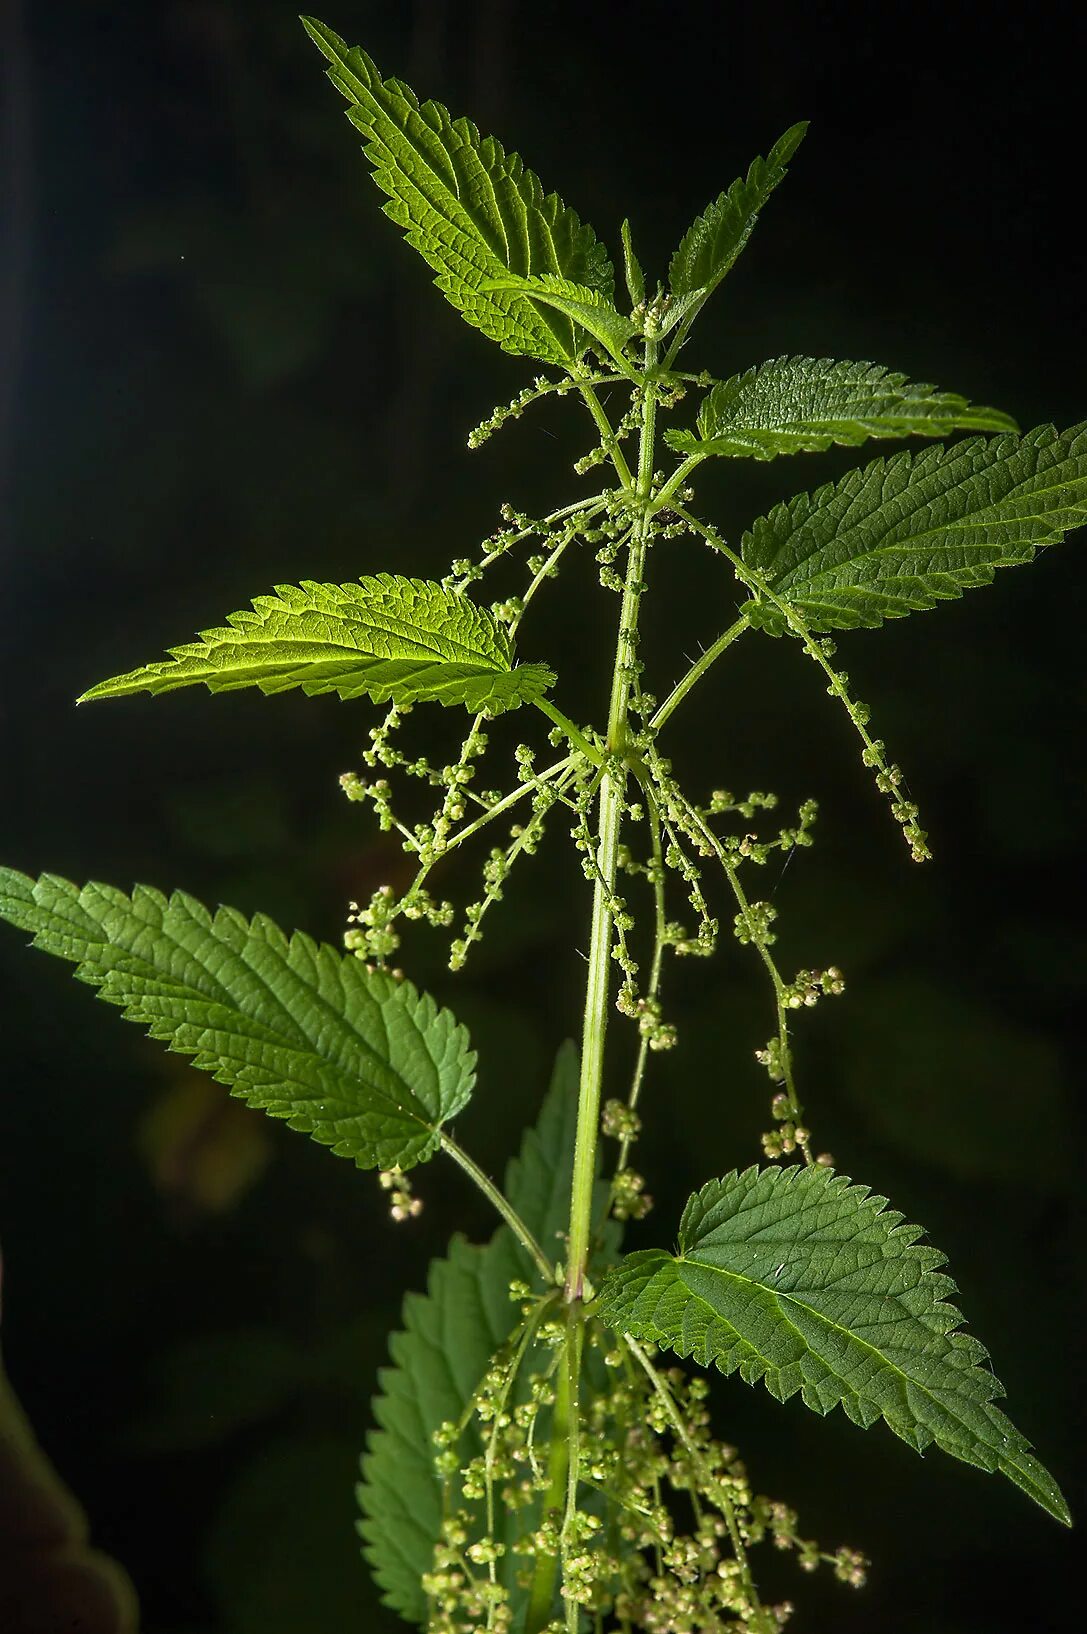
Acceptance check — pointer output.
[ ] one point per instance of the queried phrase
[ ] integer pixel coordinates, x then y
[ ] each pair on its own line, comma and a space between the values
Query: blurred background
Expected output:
223, 369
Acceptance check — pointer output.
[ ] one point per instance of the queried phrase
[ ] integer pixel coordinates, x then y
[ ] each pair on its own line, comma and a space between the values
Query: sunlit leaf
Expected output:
472, 210
388, 638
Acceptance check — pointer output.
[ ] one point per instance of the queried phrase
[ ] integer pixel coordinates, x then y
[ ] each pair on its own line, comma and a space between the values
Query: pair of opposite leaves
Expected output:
795, 1276
894, 537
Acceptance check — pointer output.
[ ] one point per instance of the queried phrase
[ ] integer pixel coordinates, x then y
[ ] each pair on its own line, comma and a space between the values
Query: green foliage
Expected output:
471, 210
715, 240
793, 405
526, 1422
360, 1061
450, 1335
588, 308
389, 638
899, 535
801, 1279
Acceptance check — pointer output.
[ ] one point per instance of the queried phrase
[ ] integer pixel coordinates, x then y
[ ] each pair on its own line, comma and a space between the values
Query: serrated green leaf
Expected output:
365, 1064
714, 241
449, 1337
793, 405
450, 1334
899, 535
407, 640
592, 312
810, 1283
471, 210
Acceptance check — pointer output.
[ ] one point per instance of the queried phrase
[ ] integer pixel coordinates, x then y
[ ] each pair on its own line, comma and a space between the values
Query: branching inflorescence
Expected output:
539, 1469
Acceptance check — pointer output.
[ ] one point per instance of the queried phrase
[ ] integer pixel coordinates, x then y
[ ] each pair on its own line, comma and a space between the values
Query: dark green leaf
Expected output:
449, 1337
593, 312
899, 535
714, 241
634, 275
801, 1279
363, 1063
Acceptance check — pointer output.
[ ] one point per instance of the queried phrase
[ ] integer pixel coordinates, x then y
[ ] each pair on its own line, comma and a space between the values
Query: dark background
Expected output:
226, 370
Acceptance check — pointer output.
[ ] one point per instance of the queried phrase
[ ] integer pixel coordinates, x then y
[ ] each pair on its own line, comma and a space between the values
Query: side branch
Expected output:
698, 669
575, 735
607, 432
888, 777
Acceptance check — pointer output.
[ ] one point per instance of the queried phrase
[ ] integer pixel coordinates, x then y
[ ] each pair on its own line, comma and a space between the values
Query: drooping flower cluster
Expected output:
654, 1534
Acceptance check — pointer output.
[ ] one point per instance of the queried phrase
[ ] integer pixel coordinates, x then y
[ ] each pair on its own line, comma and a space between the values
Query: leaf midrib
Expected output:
355, 655
916, 540
824, 427
409, 634
778, 1295
299, 1044
461, 215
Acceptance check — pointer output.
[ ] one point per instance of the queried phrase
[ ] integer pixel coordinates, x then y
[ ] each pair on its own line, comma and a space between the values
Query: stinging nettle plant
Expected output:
540, 1463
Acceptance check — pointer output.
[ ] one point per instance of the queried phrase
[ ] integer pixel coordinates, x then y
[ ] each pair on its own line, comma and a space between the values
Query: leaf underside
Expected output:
473, 211
389, 638
715, 239
365, 1064
450, 1334
792, 405
592, 311
901, 534
810, 1283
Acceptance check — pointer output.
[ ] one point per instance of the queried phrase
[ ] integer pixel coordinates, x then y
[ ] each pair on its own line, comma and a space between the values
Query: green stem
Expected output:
653, 989
597, 997
677, 479
607, 433
506, 802
725, 1502
574, 733
545, 1575
697, 670
504, 1207
575, 1335
593, 504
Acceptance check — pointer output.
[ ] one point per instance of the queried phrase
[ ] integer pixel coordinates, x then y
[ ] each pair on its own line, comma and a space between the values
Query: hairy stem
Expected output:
653, 988
575, 1337
597, 985
575, 735
507, 801
677, 479
581, 507
697, 670
608, 438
